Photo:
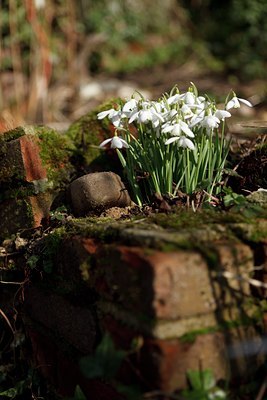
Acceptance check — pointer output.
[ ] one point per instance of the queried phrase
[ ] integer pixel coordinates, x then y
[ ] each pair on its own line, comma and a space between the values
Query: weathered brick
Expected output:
161, 285
22, 160
73, 324
63, 371
25, 213
164, 363
34, 165
169, 285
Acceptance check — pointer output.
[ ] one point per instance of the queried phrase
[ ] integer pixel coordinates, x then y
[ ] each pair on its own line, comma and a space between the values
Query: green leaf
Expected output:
105, 362
79, 395
201, 380
32, 261
231, 172
12, 392
195, 395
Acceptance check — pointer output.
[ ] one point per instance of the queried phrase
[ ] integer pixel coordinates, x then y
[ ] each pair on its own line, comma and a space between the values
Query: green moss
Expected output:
190, 337
16, 133
51, 246
15, 215
87, 133
255, 231
186, 218
85, 270
55, 152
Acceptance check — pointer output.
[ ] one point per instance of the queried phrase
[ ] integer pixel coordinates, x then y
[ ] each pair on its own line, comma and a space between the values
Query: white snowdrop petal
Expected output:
221, 114
230, 104
105, 142
244, 101
185, 142
104, 114
171, 140
116, 143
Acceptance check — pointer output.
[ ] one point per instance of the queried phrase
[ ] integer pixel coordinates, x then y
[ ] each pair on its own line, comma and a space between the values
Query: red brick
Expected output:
167, 285
161, 285
63, 372
33, 164
22, 160
74, 324
24, 213
164, 363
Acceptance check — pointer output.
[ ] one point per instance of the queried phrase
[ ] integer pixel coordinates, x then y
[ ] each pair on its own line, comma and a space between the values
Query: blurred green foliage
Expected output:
235, 32
136, 33
65, 42
139, 34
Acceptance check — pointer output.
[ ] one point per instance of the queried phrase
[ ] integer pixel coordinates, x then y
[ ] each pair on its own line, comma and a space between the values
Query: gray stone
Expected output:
259, 197
98, 191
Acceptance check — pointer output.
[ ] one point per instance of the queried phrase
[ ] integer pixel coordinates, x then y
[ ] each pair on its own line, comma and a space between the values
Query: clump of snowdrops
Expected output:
174, 144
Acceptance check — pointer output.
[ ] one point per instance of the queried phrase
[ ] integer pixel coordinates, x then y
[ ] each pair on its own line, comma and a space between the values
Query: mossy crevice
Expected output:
86, 134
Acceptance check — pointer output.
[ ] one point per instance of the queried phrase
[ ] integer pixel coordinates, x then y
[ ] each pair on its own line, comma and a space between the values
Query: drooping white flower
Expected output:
130, 107
235, 103
182, 142
189, 98
222, 114
115, 143
200, 99
187, 112
39, 4
210, 122
178, 128
106, 113
197, 119
115, 116
168, 115
147, 115
174, 99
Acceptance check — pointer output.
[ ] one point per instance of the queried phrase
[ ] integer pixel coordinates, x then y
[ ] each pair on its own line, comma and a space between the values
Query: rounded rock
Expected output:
98, 191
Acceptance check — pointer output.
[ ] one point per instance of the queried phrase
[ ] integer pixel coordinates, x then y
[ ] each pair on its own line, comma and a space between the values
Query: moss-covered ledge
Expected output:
184, 228
163, 278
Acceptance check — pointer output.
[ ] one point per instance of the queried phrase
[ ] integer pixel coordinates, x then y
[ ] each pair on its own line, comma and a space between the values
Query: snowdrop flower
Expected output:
182, 142
106, 113
115, 116
200, 99
176, 129
197, 119
174, 99
217, 394
210, 122
130, 107
187, 112
189, 98
235, 103
115, 143
145, 116
39, 4
222, 114
168, 115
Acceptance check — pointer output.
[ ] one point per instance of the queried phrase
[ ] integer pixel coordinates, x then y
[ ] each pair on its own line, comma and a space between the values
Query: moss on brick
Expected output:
16, 133
55, 152
87, 133
15, 215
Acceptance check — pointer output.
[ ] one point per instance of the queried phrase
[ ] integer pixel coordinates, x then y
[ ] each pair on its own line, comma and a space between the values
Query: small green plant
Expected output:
79, 395
231, 198
60, 214
203, 386
105, 362
174, 144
